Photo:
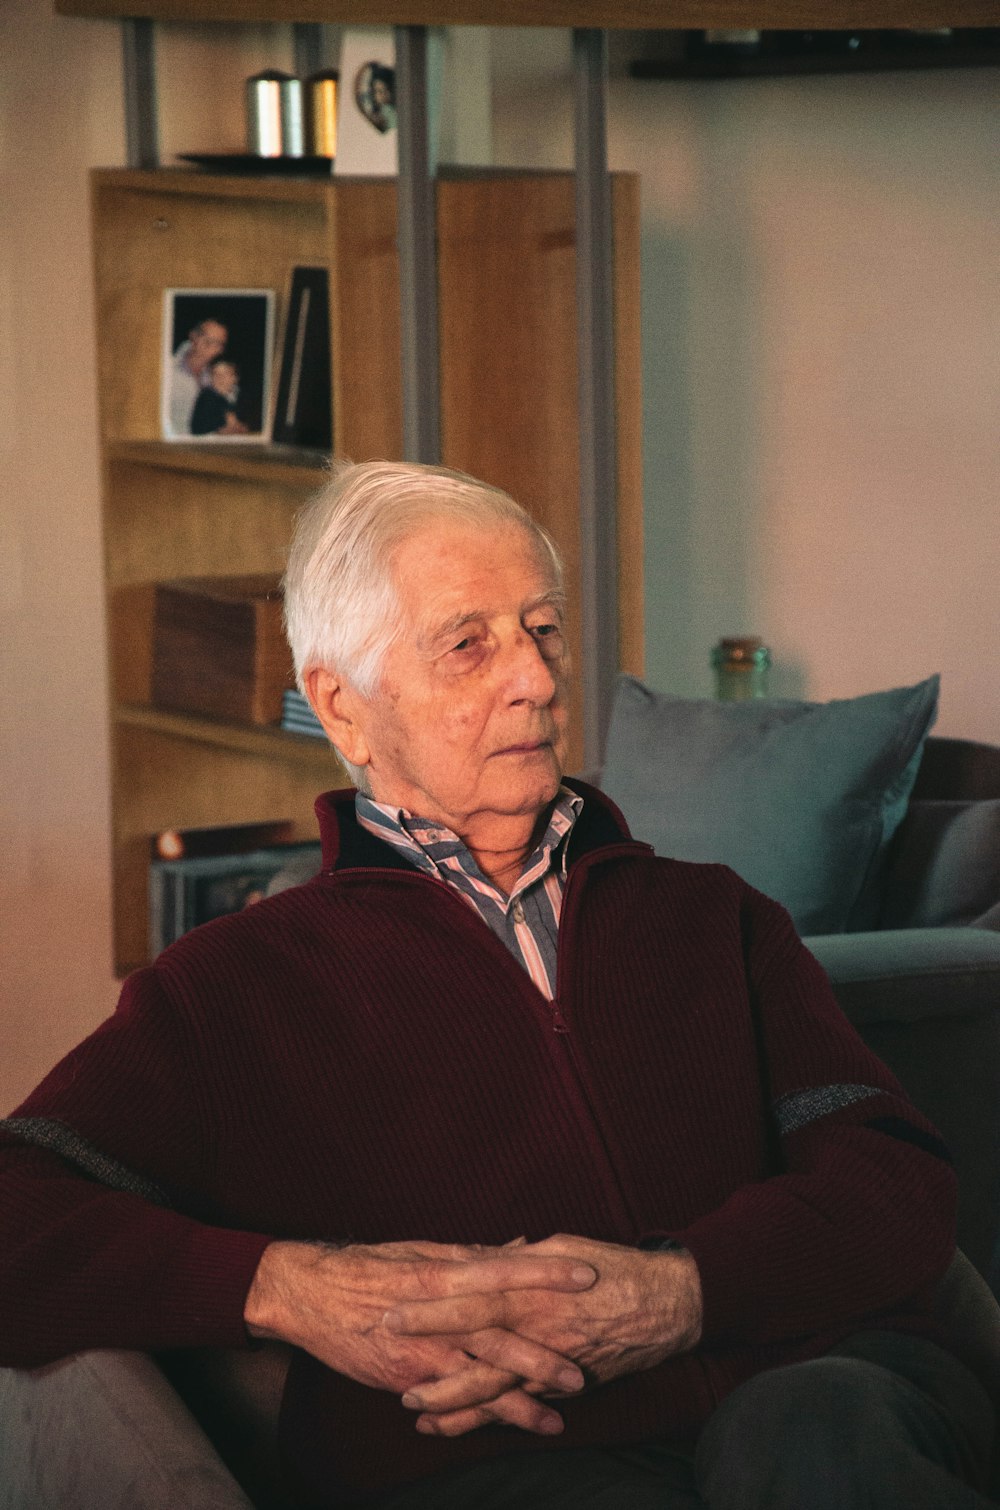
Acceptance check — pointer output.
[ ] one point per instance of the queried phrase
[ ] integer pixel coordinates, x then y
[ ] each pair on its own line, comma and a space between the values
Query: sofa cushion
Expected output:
801, 799
945, 867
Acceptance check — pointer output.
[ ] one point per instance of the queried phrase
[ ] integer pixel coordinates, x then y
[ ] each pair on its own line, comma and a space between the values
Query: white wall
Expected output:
821, 310
59, 113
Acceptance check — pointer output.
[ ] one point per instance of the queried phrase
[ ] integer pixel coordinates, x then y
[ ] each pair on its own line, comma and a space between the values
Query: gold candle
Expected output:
321, 113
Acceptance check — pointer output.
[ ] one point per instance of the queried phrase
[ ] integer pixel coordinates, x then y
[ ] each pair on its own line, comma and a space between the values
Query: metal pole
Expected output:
595, 337
307, 45
142, 147
417, 240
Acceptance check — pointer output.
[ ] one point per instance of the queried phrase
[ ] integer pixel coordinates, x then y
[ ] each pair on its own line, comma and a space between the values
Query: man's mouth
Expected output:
525, 747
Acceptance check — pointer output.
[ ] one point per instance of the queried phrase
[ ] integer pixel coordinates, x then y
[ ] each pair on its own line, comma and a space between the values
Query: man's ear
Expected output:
339, 709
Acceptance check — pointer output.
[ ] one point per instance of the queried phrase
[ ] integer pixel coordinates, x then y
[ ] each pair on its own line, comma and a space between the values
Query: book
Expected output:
303, 407
297, 717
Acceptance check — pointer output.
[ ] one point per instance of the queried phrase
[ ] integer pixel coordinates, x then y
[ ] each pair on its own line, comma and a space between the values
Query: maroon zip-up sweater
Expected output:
360, 1058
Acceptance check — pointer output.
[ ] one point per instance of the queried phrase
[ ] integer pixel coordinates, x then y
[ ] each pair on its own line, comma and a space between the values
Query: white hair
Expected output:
342, 610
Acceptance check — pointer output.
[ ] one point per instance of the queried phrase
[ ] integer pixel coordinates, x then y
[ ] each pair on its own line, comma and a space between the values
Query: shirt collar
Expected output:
429, 841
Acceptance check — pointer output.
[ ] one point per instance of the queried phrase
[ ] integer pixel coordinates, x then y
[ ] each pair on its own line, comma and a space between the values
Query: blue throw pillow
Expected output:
801, 799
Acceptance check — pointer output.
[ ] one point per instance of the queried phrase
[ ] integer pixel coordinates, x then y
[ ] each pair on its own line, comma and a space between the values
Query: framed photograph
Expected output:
215, 382
303, 407
186, 893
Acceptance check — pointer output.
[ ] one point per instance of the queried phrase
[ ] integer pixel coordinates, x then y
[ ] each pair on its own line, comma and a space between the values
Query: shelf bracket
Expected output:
142, 143
596, 367
417, 241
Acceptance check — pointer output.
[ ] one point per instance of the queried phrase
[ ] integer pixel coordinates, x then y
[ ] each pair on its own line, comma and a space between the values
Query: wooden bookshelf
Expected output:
177, 509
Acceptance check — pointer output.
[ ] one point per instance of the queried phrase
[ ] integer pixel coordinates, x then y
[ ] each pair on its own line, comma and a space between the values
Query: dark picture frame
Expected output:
185, 893
303, 406
217, 360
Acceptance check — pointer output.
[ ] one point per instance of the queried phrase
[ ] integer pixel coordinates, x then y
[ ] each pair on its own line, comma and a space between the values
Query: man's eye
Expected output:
549, 640
463, 644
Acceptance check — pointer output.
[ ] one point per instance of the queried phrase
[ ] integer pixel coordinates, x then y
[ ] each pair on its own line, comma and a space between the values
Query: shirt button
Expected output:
517, 911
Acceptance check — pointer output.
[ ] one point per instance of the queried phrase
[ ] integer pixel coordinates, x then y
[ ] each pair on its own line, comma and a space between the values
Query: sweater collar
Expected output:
348, 846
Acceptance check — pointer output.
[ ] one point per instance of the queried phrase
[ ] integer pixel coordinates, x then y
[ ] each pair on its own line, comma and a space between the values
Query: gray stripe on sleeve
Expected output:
799, 1107
57, 1138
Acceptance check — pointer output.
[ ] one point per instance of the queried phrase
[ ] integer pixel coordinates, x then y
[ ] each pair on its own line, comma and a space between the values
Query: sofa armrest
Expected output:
105, 1428
904, 974
927, 1002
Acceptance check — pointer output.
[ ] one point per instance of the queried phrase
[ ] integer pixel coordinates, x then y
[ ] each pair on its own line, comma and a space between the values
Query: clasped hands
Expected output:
470, 1336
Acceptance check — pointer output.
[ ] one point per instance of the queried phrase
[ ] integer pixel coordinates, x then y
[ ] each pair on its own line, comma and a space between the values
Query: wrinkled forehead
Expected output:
443, 550
447, 571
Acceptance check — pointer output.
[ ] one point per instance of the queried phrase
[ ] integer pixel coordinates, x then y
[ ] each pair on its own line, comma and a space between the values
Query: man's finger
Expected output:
455, 1314
503, 1271
500, 1359
512, 1409
476, 1385
514, 1354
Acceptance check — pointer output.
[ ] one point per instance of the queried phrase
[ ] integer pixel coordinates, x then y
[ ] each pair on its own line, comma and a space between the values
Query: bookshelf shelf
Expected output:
268, 742
268, 464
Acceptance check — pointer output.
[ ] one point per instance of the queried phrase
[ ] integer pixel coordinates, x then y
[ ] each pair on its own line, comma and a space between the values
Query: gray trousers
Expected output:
882, 1422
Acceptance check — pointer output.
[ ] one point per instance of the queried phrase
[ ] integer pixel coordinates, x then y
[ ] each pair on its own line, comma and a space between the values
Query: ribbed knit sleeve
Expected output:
106, 1238
861, 1216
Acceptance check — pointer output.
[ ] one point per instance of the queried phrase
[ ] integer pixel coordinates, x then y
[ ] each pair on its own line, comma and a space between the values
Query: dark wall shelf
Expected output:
851, 52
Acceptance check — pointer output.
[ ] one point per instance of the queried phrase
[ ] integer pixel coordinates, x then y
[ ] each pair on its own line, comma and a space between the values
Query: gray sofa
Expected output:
108, 1430
925, 995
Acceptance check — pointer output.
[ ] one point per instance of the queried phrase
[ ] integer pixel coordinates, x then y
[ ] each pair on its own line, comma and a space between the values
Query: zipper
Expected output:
575, 1084
615, 1187
409, 877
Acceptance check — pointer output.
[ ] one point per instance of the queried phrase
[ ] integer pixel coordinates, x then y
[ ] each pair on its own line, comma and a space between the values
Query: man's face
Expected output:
470, 717
207, 340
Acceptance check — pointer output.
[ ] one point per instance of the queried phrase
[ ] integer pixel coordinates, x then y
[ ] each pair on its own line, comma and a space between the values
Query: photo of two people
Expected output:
216, 370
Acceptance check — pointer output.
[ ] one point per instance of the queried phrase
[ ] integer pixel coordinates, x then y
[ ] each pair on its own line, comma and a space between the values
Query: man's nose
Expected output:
530, 677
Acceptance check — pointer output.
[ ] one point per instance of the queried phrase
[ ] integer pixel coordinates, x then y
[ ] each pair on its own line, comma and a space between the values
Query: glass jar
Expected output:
741, 667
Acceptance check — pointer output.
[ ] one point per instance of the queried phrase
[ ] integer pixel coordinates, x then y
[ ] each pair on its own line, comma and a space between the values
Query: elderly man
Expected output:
555, 1160
191, 372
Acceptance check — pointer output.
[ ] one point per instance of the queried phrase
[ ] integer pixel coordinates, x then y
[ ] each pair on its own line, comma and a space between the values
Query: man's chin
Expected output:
537, 789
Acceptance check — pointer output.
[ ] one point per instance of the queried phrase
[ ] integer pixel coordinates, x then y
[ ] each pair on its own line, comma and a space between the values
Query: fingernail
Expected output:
412, 1401
551, 1426
569, 1378
391, 1320
583, 1274
426, 1428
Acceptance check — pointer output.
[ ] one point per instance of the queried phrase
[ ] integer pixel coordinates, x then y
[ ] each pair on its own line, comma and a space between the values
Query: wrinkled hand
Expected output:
643, 1308
332, 1302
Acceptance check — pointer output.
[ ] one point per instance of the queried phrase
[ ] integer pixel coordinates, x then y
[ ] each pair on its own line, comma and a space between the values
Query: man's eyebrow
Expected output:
451, 626
552, 597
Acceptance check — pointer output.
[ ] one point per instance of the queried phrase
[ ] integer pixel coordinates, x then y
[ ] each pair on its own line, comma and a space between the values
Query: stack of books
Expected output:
297, 716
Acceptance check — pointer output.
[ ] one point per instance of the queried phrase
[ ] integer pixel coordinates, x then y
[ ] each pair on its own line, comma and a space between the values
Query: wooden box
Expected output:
219, 648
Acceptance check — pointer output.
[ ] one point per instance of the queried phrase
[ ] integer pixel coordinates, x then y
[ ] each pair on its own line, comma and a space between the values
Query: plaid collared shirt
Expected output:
526, 921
